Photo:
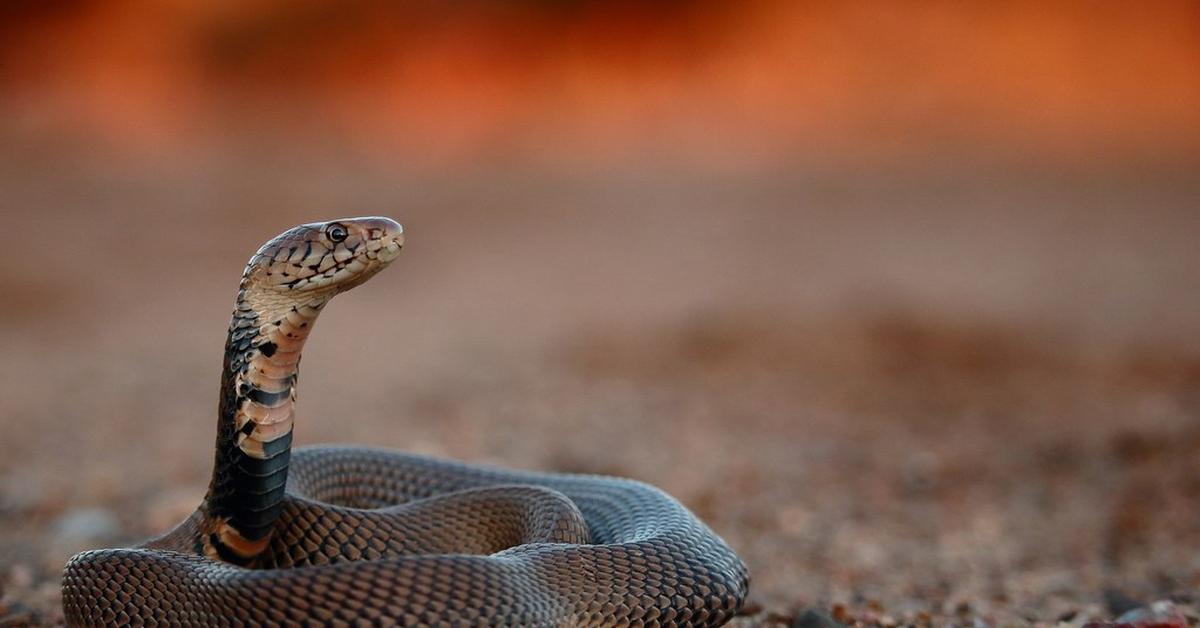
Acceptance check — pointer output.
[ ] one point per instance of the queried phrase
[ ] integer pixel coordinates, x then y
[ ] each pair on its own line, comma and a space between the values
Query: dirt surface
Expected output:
946, 396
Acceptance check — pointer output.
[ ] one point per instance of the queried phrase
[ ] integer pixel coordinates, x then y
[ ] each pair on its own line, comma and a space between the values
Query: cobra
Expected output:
358, 536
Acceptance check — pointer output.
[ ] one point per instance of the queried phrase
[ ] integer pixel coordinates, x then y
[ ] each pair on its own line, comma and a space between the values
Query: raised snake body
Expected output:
358, 536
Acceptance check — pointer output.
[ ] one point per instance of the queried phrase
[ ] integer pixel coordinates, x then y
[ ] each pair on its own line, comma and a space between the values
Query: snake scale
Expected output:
341, 536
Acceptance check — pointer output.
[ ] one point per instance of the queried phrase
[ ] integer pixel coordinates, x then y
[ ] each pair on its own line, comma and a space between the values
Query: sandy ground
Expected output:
957, 394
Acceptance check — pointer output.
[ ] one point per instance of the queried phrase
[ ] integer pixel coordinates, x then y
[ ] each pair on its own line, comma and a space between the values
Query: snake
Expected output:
358, 536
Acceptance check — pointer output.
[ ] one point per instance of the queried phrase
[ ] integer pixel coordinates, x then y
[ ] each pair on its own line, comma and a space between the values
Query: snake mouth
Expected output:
391, 249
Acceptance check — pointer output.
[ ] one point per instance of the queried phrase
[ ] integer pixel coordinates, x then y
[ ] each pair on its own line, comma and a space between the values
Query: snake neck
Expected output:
254, 429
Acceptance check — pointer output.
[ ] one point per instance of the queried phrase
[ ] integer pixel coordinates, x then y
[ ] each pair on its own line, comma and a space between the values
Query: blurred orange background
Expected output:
918, 132
900, 297
711, 83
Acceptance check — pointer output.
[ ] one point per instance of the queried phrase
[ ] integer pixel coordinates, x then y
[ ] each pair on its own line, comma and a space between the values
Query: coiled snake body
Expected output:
358, 536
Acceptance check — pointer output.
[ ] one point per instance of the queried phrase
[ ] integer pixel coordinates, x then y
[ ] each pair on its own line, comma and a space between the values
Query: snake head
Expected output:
325, 258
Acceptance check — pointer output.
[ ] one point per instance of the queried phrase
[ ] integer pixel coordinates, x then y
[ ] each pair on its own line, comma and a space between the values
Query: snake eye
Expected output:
336, 232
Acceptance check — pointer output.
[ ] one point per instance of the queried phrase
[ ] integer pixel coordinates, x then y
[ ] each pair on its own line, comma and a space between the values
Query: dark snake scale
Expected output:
352, 536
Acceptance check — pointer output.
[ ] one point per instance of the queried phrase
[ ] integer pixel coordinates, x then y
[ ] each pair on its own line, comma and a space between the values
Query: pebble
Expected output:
87, 523
813, 618
16, 614
751, 607
1159, 613
1119, 603
1162, 614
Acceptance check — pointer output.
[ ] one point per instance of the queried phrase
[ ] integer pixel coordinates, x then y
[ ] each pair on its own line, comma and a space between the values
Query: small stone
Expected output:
1159, 614
813, 618
1119, 603
751, 607
841, 614
88, 523
17, 614
920, 473
20, 576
